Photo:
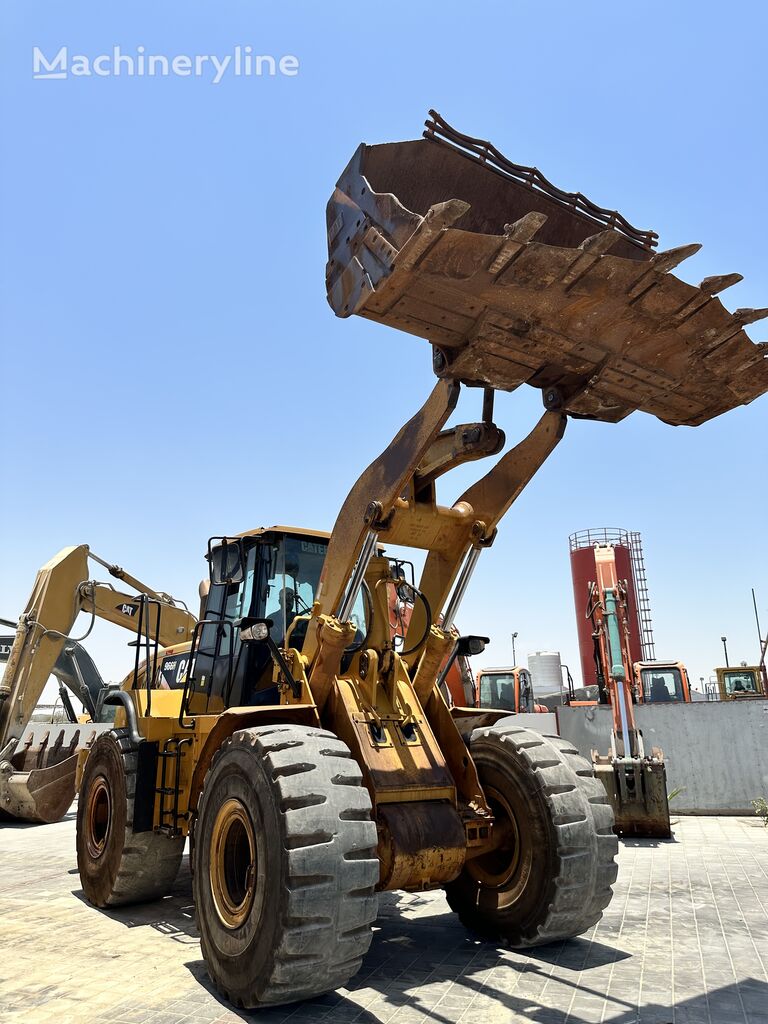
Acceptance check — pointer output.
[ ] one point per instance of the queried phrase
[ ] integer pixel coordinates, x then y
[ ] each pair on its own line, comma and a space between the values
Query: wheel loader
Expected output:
310, 759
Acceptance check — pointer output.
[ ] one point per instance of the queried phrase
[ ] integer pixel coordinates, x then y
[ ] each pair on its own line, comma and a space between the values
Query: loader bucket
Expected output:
38, 779
514, 281
637, 792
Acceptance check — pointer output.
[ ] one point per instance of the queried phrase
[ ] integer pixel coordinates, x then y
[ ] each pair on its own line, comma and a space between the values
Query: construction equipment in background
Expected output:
740, 682
661, 682
634, 780
311, 759
510, 689
455, 681
655, 681
38, 761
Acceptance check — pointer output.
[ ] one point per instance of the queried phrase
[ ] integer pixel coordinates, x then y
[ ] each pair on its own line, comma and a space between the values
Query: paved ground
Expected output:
685, 940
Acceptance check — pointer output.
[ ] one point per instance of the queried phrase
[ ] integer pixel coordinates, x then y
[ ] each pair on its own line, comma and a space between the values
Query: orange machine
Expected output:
509, 689
634, 781
455, 680
661, 682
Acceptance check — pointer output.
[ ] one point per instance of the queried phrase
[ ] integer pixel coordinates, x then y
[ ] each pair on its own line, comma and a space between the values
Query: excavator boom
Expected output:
37, 776
635, 780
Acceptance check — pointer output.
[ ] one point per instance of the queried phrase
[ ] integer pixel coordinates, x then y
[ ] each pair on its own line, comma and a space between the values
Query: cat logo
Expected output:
127, 609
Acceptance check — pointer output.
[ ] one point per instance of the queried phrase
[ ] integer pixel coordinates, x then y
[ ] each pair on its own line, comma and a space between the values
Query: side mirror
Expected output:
254, 630
226, 560
471, 645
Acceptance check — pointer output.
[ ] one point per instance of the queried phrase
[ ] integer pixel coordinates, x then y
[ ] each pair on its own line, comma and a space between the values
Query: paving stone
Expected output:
685, 941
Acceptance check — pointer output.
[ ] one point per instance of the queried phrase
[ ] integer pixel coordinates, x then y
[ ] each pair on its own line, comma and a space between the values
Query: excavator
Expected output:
310, 758
39, 763
635, 781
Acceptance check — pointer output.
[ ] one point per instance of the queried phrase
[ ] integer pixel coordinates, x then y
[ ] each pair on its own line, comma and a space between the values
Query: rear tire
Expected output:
285, 866
551, 879
118, 866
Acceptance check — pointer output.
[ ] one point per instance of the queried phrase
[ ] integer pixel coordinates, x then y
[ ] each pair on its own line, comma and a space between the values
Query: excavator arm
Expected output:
39, 783
635, 780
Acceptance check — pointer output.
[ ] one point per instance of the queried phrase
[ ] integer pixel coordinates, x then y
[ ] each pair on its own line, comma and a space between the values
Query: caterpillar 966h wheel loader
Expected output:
311, 759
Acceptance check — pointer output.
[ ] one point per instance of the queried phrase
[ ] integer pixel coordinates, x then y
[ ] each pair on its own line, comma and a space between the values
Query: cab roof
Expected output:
292, 531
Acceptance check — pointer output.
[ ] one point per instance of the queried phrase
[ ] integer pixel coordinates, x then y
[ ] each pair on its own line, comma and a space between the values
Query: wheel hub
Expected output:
98, 817
233, 864
496, 868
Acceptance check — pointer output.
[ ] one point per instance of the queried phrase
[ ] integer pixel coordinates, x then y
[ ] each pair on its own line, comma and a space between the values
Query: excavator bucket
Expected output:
38, 773
41, 794
514, 281
637, 792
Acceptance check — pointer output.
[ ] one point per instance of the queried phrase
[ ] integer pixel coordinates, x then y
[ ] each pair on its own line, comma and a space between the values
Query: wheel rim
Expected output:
497, 868
233, 864
98, 817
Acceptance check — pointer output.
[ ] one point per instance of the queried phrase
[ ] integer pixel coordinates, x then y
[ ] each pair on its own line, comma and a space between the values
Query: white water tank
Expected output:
546, 674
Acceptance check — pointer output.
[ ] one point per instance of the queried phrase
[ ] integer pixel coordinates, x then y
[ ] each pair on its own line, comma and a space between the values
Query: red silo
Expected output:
583, 573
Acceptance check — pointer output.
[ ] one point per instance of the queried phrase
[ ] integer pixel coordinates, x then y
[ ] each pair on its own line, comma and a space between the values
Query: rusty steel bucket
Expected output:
38, 773
514, 281
637, 793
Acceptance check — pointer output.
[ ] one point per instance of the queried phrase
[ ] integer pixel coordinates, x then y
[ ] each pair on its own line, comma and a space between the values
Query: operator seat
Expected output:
659, 691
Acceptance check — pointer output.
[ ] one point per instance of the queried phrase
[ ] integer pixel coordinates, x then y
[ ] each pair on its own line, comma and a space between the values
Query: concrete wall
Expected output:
545, 723
717, 751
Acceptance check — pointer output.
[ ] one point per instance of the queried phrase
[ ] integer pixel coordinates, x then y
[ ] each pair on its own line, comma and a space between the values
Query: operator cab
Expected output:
663, 683
270, 574
742, 681
506, 690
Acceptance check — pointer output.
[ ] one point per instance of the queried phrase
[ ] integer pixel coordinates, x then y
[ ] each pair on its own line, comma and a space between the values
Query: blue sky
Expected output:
171, 369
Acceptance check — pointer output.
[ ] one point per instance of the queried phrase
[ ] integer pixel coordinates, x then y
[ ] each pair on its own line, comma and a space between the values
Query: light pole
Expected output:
725, 649
514, 658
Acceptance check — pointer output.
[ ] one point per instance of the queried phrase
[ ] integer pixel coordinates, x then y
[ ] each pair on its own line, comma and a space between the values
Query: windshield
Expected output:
293, 576
497, 690
662, 684
740, 681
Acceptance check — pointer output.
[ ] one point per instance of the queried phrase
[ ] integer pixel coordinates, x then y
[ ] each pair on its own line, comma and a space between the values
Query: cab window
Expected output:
739, 682
497, 690
662, 685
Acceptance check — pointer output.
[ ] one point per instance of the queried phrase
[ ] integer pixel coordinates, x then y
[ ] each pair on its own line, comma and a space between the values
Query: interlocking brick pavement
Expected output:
685, 940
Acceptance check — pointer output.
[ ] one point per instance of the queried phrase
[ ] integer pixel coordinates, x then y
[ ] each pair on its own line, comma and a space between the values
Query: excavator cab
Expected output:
661, 682
506, 689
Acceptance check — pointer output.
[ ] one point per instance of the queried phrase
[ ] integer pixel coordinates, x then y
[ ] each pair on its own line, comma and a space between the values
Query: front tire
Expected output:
550, 877
285, 866
117, 865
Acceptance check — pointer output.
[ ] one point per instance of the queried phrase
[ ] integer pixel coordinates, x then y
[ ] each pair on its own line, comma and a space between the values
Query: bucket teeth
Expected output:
600, 243
524, 229
745, 316
665, 261
514, 238
718, 283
